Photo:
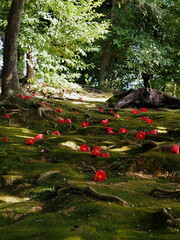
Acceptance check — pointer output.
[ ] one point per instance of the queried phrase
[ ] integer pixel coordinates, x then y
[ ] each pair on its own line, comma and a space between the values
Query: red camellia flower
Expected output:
148, 120
106, 154
56, 133
122, 130
7, 116
27, 97
76, 112
134, 111
111, 132
117, 116
84, 124
60, 120
58, 110
144, 118
105, 121
111, 111
68, 120
100, 175
128, 117
175, 149
5, 139
143, 110
84, 148
96, 152
39, 136
141, 135
153, 131
30, 141
20, 95
101, 110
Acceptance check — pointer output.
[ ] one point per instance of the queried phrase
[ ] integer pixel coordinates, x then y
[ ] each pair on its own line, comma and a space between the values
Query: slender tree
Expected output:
10, 80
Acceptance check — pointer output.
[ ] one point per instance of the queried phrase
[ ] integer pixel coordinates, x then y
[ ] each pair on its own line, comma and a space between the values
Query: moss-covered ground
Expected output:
36, 201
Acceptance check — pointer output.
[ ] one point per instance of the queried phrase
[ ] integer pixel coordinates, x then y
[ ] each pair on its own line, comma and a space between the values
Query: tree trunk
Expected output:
146, 77
10, 81
105, 57
105, 52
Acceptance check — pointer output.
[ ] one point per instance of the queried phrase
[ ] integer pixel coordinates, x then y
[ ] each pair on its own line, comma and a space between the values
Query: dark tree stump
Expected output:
144, 97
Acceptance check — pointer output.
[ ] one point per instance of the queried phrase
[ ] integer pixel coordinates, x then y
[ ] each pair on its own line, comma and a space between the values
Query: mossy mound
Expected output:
39, 182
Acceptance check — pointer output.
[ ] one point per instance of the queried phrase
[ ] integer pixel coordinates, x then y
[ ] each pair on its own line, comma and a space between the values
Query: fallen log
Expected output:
144, 97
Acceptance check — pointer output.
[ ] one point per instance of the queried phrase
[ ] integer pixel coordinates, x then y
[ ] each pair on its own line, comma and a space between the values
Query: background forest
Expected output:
116, 44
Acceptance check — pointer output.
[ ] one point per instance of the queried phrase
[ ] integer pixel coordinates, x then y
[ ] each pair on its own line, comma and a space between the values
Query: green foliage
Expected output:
60, 33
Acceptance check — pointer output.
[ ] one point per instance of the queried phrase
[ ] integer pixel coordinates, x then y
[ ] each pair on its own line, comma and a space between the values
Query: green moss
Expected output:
75, 216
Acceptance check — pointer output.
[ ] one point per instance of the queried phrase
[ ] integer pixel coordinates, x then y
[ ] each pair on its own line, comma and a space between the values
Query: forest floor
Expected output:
47, 188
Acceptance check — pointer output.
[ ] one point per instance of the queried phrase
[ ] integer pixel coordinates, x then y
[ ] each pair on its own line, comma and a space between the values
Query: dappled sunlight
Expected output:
13, 199
162, 129
122, 149
70, 144
88, 105
73, 238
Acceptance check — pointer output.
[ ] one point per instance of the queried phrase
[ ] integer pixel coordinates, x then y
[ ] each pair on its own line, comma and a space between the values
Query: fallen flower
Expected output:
153, 131
30, 141
106, 154
100, 175
7, 116
175, 149
60, 120
122, 130
56, 133
143, 110
144, 118
5, 139
110, 131
111, 111
58, 110
84, 124
39, 136
141, 135
84, 148
105, 121
134, 111
68, 120
148, 120
101, 110
27, 97
96, 152
117, 115
20, 96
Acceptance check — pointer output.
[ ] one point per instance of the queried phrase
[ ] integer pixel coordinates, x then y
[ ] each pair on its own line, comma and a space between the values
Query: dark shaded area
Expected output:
144, 97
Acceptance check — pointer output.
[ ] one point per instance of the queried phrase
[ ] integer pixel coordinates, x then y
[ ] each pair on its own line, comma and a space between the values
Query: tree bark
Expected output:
144, 97
10, 80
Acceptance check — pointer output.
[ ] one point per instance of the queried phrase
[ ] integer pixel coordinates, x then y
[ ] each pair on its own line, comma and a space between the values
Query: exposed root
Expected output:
89, 167
42, 110
166, 191
170, 219
90, 191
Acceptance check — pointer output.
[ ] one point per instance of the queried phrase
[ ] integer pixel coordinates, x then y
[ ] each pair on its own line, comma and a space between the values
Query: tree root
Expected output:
90, 191
166, 191
170, 219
